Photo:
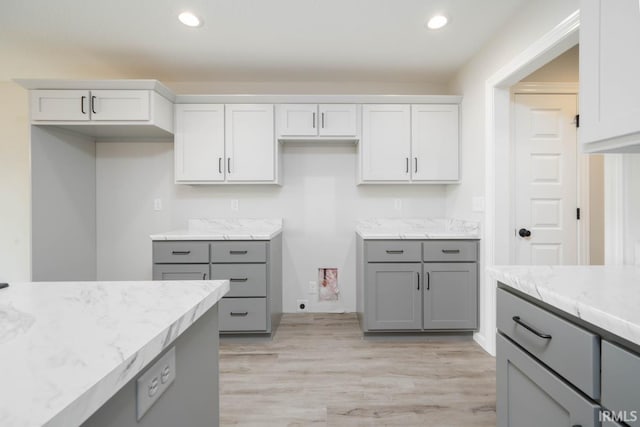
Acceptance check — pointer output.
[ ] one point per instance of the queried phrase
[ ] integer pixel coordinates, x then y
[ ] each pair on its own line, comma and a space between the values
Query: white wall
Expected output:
319, 202
632, 208
565, 68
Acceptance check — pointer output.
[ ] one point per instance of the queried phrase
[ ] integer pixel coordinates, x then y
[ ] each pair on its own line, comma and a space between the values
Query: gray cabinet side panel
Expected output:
63, 205
274, 287
360, 266
621, 382
192, 400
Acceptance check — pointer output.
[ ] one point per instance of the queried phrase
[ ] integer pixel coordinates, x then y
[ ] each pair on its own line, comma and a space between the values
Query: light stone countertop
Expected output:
68, 347
604, 296
417, 228
225, 229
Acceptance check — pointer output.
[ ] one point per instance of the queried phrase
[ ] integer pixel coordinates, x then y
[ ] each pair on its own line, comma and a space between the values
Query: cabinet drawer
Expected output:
530, 395
621, 382
181, 272
393, 251
230, 252
180, 252
569, 350
243, 314
245, 280
450, 250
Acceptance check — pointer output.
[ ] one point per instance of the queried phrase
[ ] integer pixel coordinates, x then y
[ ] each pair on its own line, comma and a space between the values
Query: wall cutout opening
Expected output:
328, 284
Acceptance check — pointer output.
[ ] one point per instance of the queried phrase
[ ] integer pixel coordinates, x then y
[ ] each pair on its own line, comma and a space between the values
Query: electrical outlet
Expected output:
302, 305
313, 288
157, 204
235, 205
397, 204
155, 381
477, 204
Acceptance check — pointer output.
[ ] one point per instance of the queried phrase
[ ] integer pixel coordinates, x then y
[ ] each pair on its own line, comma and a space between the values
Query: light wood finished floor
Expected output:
318, 370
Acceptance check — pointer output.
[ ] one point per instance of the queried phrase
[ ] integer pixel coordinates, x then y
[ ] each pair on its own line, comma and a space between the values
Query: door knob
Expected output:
523, 232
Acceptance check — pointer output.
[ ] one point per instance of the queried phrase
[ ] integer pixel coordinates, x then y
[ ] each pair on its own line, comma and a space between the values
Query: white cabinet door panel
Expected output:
250, 142
120, 105
434, 142
199, 143
62, 105
298, 119
337, 119
386, 140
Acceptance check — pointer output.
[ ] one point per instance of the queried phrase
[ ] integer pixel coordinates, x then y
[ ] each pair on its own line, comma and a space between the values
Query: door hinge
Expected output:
578, 213
577, 120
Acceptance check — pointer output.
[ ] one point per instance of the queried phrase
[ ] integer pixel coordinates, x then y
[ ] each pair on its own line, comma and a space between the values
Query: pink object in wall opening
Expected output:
328, 284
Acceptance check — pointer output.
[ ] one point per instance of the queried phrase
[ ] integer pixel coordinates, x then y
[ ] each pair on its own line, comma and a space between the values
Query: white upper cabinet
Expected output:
233, 143
311, 121
386, 141
434, 142
60, 105
199, 143
115, 105
609, 70
250, 143
410, 143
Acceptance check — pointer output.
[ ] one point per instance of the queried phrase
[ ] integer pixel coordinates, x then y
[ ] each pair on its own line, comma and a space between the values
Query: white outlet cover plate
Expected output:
155, 381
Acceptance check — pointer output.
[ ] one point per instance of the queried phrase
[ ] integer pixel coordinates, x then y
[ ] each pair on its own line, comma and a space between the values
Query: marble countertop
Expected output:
67, 347
418, 228
604, 296
225, 229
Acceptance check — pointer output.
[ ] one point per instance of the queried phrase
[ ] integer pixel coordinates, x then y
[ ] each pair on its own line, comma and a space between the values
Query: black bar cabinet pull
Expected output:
180, 252
451, 251
228, 164
220, 165
418, 280
531, 329
93, 105
238, 252
244, 279
204, 276
242, 314
389, 251
322, 120
416, 159
82, 104
428, 280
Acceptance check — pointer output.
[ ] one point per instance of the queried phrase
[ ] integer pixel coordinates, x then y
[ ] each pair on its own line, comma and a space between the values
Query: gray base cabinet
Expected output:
253, 304
417, 286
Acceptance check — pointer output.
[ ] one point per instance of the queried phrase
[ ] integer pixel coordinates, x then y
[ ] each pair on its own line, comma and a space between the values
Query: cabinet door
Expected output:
609, 70
529, 395
393, 296
337, 119
250, 142
450, 296
386, 138
63, 105
199, 143
298, 119
119, 105
434, 142
181, 272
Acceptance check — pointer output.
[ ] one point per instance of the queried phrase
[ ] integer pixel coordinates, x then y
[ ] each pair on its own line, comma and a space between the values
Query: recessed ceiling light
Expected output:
437, 21
189, 19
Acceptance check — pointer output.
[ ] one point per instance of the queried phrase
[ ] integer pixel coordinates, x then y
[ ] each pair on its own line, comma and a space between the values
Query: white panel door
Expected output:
545, 179
298, 119
386, 141
199, 143
434, 142
120, 105
250, 142
63, 105
337, 119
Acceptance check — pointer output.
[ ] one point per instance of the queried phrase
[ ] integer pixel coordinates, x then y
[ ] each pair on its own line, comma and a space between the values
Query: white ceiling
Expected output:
258, 40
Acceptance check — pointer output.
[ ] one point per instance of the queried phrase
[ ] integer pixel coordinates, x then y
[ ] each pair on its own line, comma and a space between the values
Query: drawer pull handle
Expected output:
395, 252
180, 252
238, 252
531, 329
242, 314
244, 279
451, 251
204, 276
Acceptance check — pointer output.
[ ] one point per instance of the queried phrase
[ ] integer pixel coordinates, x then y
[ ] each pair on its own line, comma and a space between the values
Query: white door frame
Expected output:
582, 168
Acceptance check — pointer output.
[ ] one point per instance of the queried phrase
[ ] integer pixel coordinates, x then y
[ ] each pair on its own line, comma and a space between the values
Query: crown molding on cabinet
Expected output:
318, 99
125, 84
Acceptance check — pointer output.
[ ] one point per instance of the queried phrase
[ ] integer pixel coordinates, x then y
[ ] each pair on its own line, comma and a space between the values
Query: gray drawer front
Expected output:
572, 352
243, 314
621, 381
230, 252
393, 251
450, 250
181, 272
245, 280
181, 252
529, 395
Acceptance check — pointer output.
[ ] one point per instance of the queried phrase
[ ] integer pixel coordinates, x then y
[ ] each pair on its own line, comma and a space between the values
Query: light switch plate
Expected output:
155, 381
477, 204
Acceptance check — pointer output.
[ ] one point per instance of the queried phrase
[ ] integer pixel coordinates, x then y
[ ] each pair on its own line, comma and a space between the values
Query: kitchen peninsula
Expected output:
74, 353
